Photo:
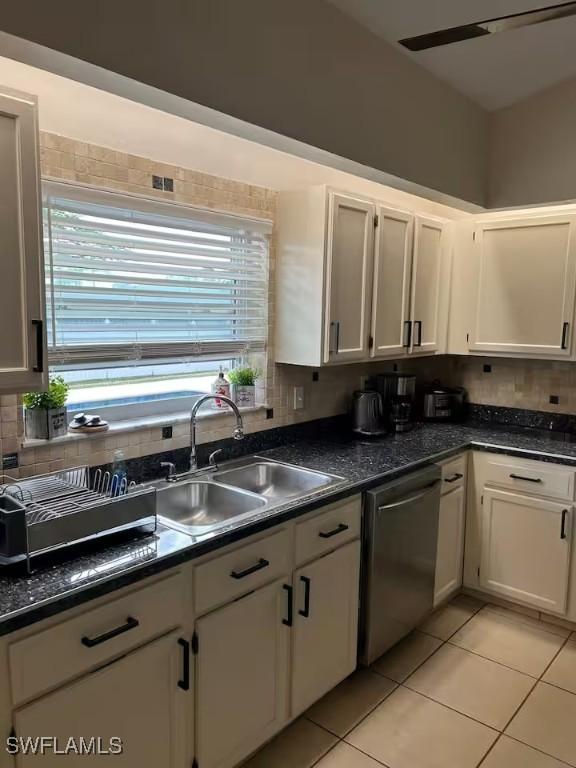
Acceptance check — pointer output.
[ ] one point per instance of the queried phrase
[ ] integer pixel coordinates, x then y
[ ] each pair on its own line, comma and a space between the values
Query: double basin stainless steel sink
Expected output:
201, 506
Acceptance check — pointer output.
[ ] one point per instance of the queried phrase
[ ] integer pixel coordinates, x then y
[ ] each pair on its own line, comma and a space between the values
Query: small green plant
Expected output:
243, 377
54, 398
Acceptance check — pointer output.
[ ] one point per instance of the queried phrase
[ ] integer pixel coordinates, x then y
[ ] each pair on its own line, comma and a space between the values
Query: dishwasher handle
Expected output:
411, 499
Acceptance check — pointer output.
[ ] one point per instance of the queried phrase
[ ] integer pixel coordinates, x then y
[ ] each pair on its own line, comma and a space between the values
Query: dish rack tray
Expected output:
47, 512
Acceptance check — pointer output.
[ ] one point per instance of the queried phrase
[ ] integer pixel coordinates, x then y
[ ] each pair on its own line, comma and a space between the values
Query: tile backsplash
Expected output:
539, 385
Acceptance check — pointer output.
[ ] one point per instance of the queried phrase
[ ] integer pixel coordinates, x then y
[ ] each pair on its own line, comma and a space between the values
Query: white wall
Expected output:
299, 68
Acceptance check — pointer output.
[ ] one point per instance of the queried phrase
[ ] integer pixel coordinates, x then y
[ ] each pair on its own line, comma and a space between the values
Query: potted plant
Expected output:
45, 412
243, 386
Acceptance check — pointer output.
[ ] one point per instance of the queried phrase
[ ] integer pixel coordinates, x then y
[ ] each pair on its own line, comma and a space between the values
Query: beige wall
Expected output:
533, 149
300, 68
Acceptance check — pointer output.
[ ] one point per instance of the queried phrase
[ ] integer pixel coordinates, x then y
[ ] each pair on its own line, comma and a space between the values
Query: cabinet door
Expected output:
450, 550
325, 624
349, 267
23, 350
526, 284
426, 285
391, 292
525, 549
241, 676
136, 699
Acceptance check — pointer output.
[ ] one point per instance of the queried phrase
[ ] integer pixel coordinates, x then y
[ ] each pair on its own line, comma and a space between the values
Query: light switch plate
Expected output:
298, 398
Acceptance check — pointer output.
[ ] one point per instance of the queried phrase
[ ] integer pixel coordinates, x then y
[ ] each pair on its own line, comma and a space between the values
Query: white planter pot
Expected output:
244, 397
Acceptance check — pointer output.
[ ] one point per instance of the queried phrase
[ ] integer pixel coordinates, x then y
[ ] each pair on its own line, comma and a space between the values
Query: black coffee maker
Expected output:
398, 392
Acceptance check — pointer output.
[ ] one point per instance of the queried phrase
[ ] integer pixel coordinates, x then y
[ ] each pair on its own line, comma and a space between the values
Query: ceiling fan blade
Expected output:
488, 27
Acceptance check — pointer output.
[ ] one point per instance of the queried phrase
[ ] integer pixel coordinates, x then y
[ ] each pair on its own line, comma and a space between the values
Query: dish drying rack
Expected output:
47, 512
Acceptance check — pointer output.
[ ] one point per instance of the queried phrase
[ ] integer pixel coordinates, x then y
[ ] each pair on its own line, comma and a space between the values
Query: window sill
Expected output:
143, 422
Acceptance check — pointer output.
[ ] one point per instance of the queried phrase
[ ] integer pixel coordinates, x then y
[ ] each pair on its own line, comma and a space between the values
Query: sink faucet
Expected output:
238, 429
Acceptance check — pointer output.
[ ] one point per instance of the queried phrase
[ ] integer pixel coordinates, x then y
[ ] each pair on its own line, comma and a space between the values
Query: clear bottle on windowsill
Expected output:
220, 386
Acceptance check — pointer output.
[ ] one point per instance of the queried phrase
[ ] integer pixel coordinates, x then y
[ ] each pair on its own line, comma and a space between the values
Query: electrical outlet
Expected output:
298, 398
10, 461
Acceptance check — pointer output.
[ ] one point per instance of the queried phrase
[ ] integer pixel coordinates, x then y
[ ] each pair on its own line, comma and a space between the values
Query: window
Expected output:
146, 300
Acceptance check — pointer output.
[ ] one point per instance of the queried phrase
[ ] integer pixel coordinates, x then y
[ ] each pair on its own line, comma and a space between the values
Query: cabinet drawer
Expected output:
331, 528
226, 577
453, 474
534, 477
49, 658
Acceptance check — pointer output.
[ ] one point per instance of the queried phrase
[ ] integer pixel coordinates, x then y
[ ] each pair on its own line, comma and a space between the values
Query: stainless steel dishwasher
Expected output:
399, 559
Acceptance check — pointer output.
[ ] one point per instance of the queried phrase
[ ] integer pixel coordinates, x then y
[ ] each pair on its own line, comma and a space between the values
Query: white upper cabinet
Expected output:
391, 286
23, 362
427, 274
348, 278
353, 281
526, 277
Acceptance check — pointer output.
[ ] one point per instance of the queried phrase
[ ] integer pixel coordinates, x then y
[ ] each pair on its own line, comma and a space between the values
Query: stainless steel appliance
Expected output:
399, 559
443, 403
398, 392
367, 413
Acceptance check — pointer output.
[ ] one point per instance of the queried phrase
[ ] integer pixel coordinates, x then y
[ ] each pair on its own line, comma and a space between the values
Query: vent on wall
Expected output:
488, 27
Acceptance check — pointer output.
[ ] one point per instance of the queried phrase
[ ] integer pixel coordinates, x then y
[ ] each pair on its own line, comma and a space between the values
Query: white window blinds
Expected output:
131, 279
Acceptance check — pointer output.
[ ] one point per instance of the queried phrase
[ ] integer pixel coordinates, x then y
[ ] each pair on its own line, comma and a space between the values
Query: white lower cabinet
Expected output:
450, 550
324, 637
525, 549
242, 675
136, 699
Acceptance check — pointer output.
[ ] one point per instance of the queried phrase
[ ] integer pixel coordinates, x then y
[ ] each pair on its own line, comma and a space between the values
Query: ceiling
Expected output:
494, 71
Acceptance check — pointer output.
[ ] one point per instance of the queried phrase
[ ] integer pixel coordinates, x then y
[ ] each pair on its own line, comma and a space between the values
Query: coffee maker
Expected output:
398, 392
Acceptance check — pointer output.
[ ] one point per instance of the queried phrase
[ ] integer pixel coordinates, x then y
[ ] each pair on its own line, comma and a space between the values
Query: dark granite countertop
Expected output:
80, 575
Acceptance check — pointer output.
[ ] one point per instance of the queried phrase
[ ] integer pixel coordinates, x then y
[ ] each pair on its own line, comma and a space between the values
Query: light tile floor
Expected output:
476, 685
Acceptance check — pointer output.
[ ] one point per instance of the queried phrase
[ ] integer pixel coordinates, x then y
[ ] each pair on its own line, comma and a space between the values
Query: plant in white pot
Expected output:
45, 412
243, 386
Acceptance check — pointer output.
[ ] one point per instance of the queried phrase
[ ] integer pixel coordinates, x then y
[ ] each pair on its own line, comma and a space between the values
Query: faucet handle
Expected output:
212, 458
239, 433
170, 467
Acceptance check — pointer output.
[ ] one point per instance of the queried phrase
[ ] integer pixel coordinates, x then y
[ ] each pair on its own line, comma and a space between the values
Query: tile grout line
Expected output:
536, 749
446, 706
490, 749
487, 658
342, 738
